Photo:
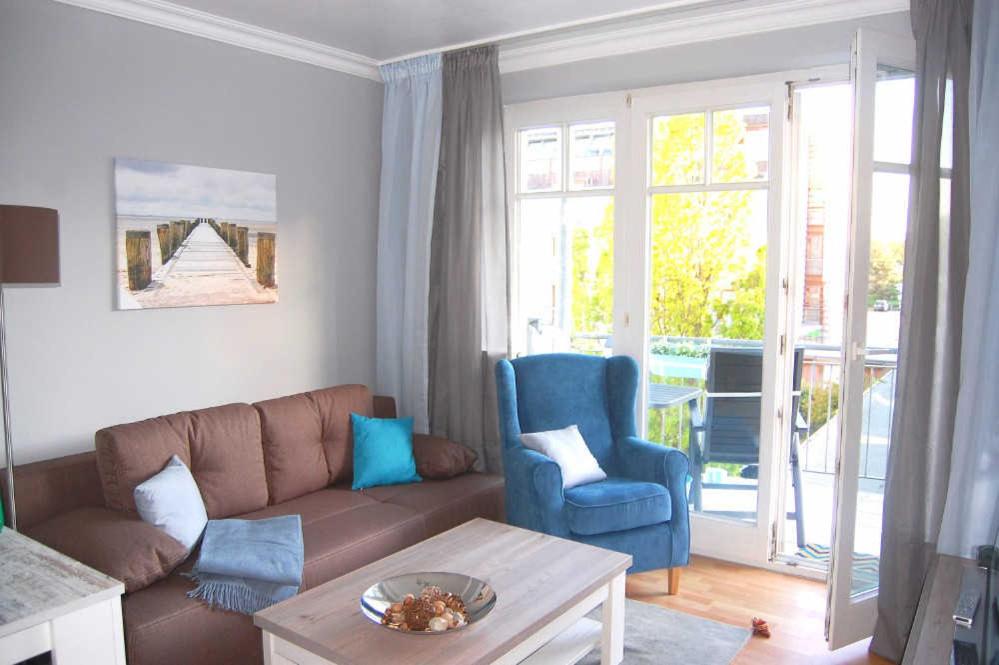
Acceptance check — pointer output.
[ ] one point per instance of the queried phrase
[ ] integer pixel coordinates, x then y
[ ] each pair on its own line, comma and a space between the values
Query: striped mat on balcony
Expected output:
865, 566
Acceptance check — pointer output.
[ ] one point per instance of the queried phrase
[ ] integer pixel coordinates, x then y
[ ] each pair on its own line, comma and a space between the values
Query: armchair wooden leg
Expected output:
674, 581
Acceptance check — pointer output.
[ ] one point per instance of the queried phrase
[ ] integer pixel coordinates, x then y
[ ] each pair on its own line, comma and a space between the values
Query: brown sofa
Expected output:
291, 455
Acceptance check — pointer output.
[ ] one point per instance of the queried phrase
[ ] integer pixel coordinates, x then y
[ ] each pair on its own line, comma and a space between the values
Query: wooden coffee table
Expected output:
544, 588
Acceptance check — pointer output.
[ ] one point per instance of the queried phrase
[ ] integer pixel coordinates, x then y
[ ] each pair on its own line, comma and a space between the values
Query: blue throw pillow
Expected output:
383, 451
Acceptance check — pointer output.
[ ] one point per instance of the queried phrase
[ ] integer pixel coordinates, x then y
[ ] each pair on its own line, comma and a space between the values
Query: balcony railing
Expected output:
684, 360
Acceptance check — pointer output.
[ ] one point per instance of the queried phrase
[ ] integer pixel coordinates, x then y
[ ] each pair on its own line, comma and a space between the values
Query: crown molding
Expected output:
673, 30
670, 23
236, 33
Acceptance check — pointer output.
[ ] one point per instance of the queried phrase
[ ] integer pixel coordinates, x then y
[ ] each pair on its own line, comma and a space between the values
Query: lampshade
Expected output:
29, 245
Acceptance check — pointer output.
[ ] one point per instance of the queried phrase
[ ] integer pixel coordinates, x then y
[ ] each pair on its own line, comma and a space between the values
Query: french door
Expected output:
883, 92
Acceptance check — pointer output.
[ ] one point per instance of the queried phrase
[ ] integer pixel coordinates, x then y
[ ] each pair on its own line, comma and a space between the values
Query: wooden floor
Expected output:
730, 593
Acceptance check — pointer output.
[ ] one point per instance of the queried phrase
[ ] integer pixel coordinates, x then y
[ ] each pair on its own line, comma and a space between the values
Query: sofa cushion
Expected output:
344, 530
164, 627
221, 446
113, 542
445, 504
335, 406
294, 457
340, 543
227, 459
438, 458
615, 504
315, 506
129, 454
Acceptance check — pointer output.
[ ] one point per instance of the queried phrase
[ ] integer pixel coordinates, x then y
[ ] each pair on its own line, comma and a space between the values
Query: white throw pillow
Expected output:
567, 448
171, 501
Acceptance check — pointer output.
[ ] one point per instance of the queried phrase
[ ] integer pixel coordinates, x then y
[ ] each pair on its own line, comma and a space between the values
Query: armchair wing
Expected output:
534, 496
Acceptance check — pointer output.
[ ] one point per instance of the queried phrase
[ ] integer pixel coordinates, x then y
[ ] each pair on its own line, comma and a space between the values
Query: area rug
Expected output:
654, 635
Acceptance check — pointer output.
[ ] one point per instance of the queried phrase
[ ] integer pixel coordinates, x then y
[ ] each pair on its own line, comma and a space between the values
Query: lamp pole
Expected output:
7, 437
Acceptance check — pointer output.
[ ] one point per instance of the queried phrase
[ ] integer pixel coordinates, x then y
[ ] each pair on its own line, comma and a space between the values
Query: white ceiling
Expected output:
389, 29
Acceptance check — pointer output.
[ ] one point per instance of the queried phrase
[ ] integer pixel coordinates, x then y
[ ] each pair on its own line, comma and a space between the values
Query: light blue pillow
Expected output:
171, 501
383, 451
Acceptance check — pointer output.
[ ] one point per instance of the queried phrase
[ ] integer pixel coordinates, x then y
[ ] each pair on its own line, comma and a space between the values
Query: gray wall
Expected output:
776, 51
78, 88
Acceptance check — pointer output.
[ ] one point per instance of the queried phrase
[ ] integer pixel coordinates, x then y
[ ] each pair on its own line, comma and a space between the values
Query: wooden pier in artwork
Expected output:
204, 261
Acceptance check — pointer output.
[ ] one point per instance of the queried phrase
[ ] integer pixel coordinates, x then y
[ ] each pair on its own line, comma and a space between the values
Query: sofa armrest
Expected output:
651, 462
119, 545
54, 486
534, 496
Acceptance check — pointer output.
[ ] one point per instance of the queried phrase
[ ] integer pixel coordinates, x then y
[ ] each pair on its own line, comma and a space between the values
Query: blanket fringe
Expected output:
227, 596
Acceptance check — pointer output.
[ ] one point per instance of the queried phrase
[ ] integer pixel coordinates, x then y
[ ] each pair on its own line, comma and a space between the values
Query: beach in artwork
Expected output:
190, 236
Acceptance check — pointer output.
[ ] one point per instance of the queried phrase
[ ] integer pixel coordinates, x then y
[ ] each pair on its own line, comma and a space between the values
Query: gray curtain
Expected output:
411, 135
933, 285
971, 518
469, 259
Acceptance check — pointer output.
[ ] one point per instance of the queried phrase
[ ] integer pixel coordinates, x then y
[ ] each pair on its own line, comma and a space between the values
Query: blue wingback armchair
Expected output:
640, 509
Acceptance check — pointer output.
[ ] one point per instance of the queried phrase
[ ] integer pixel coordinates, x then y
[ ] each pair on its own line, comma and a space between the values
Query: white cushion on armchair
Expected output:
570, 452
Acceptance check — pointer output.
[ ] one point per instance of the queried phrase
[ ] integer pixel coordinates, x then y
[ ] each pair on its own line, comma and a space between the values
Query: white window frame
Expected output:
564, 112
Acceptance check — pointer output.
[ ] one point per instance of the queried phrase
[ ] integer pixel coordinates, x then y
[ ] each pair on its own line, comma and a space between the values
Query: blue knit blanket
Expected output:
247, 565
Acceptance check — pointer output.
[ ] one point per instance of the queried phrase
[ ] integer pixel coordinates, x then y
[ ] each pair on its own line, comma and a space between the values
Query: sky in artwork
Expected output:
159, 189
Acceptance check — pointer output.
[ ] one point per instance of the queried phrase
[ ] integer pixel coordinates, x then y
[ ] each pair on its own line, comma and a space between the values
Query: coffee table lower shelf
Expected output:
567, 648
570, 647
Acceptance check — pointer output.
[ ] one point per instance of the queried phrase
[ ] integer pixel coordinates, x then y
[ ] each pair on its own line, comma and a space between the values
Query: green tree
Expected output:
741, 317
593, 275
885, 273
700, 241
707, 279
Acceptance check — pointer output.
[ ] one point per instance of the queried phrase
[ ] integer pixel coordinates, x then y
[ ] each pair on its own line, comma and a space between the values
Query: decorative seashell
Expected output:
439, 607
438, 624
396, 607
409, 599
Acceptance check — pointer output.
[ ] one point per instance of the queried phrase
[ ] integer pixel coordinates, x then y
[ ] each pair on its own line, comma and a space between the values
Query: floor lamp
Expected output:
29, 256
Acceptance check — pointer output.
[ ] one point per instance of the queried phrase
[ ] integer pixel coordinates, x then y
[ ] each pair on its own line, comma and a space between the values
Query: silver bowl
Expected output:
478, 596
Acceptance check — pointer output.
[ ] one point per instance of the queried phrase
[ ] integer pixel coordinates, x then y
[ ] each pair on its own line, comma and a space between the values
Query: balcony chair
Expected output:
729, 433
640, 509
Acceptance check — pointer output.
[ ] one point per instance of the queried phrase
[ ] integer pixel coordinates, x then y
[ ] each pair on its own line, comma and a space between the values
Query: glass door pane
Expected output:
820, 181
708, 210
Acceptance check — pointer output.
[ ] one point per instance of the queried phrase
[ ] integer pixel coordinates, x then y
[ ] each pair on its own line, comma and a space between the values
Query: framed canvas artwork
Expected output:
193, 235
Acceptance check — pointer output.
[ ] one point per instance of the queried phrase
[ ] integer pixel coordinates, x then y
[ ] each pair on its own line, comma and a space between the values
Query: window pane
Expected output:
889, 216
823, 144
591, 154
947, 136
566, 274
541, 159
707, 306
741, 145
893, 104
678, 149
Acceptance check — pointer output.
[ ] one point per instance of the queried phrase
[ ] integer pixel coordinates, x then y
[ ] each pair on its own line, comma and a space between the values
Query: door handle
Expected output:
857, 352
